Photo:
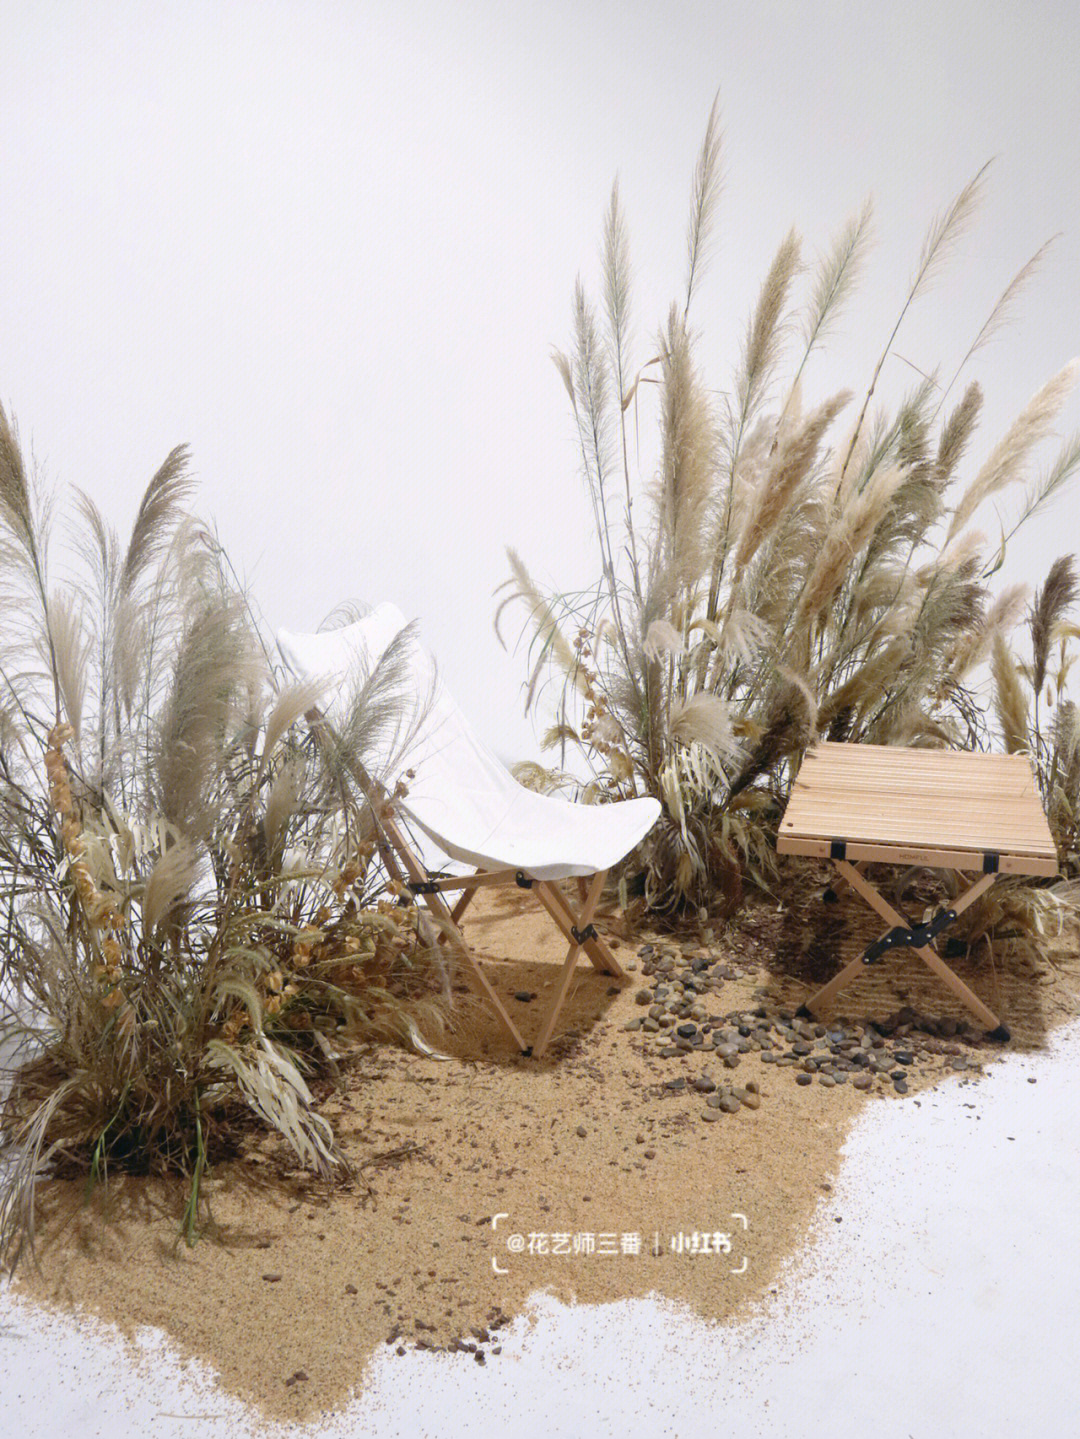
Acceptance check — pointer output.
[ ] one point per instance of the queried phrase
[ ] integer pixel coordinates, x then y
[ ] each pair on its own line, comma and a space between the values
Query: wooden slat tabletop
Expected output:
919, 806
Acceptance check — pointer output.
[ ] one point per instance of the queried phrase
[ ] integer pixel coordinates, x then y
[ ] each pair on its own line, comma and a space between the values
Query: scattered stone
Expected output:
862, 1081
351, 1289
804, 1079
523, 996
676, 1084
710, 1115
581, 1131
703, 1084
272, 1278
644, 996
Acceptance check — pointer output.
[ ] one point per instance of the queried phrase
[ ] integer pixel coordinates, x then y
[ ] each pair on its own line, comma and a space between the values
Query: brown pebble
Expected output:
272, 1278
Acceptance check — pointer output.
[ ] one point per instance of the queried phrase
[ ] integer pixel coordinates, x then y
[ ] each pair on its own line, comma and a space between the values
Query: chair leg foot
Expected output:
527, 1053
829, 896
1000, 1035
803, 1013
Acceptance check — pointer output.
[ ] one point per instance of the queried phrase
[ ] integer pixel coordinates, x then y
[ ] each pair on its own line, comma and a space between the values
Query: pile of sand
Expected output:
586, 1155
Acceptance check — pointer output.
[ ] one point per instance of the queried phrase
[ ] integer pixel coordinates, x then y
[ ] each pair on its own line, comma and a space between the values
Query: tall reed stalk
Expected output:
776, 579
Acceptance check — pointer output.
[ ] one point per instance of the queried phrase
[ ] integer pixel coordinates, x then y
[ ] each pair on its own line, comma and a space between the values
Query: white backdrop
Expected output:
330, 245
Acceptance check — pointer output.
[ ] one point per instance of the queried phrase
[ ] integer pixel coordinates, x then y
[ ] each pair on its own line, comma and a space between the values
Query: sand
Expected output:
295, 1286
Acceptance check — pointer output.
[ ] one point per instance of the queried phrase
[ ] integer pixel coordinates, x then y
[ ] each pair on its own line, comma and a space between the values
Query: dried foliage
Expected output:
773, 582
190, 885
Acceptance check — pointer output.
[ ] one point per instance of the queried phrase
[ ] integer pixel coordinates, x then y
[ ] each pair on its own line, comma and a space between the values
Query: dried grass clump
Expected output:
189, 877
775, 580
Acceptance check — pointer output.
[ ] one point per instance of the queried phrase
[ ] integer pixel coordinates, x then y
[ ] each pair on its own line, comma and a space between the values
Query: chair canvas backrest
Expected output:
458, 787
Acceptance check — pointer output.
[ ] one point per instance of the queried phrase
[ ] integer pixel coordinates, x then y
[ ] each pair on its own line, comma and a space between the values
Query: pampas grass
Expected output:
189, 892
776, 580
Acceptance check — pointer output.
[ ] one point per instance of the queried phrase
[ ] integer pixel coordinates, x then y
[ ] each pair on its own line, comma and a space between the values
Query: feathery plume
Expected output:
706, 194
1032, 425
169, 883
160, 507
688, 461
1058, 594
835, 278
790, 466
1010, 700
705, 719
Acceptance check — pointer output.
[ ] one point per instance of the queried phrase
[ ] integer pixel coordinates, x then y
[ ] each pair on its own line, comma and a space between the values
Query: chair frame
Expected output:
409, 876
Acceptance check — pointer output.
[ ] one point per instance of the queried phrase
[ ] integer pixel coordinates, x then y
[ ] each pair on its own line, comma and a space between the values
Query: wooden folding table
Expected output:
943, 809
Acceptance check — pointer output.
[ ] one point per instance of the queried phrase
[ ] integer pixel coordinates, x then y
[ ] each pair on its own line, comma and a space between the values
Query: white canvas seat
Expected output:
460, 795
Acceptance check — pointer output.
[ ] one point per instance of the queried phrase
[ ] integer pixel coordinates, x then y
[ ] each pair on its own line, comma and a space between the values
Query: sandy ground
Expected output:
300, 1296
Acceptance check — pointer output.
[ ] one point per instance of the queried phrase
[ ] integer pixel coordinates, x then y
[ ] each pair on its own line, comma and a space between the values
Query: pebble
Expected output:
581, 1131
680, 1006
710, 1115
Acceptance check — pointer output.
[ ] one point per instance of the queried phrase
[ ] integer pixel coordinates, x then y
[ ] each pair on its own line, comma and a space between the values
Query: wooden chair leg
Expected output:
585, 919
596, 948
441, 910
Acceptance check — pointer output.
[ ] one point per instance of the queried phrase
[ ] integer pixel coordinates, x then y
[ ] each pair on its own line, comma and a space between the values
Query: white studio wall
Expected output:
329, 246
